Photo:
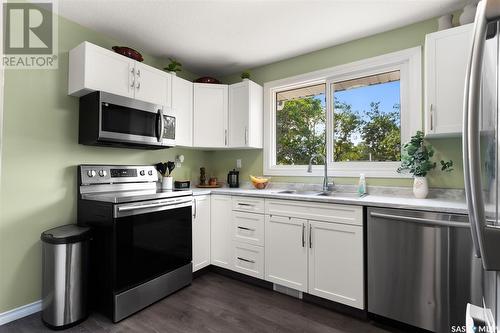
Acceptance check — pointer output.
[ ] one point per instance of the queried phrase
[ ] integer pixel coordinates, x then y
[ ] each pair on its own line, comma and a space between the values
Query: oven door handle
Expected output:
128, 210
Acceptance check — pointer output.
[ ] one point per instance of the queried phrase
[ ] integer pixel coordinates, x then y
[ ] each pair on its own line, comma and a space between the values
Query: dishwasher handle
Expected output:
434, 222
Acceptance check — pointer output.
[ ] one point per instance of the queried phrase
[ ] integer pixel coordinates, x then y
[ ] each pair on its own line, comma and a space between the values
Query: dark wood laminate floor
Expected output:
215, 303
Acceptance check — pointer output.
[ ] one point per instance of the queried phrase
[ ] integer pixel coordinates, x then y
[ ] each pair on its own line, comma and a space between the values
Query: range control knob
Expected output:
142, 172
150, 172
103, 173
91, 173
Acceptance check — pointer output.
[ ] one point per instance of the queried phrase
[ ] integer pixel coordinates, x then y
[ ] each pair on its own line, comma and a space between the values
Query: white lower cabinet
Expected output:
286, 251
292, 249
336, 262
201, 232
322, 258
220, 234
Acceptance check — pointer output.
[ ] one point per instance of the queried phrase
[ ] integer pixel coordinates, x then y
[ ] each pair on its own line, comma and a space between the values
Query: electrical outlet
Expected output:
238, 163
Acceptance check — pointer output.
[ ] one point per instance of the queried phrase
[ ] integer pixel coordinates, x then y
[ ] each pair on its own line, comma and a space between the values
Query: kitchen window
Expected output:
357, 115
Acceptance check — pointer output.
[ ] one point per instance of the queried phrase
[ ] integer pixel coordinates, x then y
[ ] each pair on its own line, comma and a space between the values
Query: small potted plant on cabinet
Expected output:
173, 67
416, 160
245, 75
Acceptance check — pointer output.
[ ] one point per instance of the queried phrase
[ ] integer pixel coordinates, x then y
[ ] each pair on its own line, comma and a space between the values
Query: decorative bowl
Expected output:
128, 52
207, 79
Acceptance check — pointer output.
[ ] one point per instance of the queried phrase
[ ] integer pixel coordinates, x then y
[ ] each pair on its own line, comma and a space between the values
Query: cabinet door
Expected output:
245, 115
286, 251
336, 262
92, 68
446, 56
210, 115
220, 230
152, 85
201, 232
182, 109
239, 108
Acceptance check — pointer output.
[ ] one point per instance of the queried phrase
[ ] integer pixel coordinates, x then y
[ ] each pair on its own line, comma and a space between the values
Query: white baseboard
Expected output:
20, 312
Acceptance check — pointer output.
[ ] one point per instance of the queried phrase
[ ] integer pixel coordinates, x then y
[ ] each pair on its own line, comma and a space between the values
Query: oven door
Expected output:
151, 238
123, 119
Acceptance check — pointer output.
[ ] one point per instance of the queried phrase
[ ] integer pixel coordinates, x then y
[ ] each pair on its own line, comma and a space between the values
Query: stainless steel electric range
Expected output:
141, 247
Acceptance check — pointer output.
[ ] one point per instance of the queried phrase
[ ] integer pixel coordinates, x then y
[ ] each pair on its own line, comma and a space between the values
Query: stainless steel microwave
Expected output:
112, 120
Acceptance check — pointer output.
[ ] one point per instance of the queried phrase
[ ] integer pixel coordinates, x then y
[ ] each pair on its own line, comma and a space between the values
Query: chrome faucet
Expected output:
326, 187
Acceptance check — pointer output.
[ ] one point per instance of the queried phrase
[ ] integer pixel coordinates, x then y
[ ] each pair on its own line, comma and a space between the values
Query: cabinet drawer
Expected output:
346, 214
248, 259
246, 204
248, 228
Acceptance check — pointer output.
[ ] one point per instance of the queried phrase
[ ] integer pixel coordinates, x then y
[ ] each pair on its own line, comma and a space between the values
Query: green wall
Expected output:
40, 154
402, 38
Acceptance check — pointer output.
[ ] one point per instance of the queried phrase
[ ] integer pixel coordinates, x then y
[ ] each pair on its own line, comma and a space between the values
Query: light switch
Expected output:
238, 163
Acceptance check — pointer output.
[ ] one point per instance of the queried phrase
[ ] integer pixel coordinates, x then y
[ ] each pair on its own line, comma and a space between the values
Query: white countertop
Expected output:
402, 202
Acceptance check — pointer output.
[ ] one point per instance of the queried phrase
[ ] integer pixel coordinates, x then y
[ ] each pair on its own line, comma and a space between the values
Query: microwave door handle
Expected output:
471, 137
160, 125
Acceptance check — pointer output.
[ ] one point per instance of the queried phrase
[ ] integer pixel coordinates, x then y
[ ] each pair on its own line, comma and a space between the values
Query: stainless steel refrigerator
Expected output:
480, 157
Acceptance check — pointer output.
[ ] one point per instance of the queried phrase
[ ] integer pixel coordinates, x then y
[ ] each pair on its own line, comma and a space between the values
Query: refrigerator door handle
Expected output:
486, 238
470, 141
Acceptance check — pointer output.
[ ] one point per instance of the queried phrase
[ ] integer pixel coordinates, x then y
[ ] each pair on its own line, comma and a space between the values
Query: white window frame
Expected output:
408, 62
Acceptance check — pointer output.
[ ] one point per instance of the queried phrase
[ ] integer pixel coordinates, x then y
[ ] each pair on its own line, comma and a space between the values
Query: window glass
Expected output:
300, 124
367, 120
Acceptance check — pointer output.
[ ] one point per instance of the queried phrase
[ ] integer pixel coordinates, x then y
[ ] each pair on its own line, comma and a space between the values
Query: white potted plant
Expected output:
416, 160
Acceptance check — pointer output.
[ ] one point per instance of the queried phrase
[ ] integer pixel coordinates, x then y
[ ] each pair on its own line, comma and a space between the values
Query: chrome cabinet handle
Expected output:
245, 228
310, 236
246, 135
133, 83
246, 260
244, 204
139, 72
138, 85
225, 137
431, 111
303, 235
470, 142
195, 202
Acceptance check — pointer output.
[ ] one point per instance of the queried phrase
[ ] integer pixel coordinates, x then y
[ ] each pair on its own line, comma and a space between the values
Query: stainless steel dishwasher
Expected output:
421, 267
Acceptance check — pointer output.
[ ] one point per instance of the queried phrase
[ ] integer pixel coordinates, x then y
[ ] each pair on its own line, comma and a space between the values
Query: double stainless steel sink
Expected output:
338, 194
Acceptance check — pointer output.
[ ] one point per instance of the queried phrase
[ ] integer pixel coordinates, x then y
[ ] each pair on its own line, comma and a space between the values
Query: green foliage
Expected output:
416, 157
245, 75
300, 131
174, 66
380, 134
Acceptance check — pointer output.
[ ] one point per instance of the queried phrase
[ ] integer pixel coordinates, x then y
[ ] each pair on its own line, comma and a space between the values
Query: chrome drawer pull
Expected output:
246, 260
245, 228
244, 204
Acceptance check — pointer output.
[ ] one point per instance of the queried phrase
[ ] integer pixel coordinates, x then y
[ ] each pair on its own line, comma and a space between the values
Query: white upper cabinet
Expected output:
210, 126
93, 68
201, 231
245, 115
182, 109
152, 85
446, 55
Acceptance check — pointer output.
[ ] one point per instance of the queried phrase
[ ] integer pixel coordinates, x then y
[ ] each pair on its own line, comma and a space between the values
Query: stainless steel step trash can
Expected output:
65, 265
